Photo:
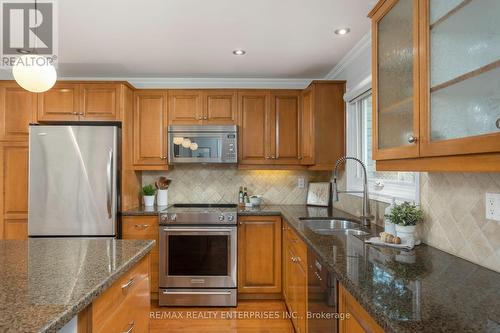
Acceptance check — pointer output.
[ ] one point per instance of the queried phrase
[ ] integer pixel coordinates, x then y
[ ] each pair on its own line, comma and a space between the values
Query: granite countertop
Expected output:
423, 290
144, 211
46, 282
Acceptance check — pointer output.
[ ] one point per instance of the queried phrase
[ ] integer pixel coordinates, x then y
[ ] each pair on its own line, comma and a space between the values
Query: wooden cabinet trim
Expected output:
348, 304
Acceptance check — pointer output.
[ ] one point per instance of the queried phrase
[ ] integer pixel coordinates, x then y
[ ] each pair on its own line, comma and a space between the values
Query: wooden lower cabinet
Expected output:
14, 190
145, 227
359, 320
259, 255
295, 279
123, 307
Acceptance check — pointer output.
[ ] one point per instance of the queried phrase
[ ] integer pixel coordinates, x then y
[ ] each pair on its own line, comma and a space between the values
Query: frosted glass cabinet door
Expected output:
397, 80
464, 76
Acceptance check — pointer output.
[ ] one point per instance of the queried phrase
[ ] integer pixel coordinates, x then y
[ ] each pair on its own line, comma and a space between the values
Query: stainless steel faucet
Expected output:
367, 216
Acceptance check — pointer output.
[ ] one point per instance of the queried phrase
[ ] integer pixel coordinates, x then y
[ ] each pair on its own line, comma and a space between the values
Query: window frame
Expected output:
380, 190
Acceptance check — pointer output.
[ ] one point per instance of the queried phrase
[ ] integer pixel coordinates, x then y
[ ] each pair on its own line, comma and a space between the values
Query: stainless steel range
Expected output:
198, 257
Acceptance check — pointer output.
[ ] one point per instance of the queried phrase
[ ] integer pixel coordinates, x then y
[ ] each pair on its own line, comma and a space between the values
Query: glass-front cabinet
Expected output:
436, 84
395, 79
460, 77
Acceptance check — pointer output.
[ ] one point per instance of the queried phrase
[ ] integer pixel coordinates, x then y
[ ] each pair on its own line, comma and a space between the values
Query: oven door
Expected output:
197, 257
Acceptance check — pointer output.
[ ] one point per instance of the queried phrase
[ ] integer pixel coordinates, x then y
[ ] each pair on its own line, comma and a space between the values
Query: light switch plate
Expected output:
301, 183
493, 206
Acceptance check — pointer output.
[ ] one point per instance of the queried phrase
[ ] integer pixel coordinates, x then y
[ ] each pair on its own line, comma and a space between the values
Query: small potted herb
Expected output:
406, 216
148, 194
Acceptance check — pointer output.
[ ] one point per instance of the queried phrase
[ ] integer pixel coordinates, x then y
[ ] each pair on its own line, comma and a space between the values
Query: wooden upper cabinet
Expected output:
395, 83
86, 101
185, 107
285, 109
432, 102
17, 111
61, 103
150, 130
14, 186
460, 92
254, 127
259, 254
306, 128
220, 107
100, 101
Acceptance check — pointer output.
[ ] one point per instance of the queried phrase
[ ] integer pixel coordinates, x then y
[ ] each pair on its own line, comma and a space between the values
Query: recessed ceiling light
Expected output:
342, 31
239, 52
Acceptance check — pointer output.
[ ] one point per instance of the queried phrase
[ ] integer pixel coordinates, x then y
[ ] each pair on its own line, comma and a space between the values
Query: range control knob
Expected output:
230, 218
221, 218
173, 217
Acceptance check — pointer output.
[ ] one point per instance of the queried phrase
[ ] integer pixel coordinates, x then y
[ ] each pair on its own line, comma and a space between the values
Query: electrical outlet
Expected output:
301, 183
493, 206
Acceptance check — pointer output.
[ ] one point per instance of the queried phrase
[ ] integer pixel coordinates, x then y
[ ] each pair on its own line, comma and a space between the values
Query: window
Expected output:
383, 186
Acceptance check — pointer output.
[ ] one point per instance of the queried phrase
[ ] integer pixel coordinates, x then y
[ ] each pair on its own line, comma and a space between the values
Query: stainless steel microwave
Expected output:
202, 144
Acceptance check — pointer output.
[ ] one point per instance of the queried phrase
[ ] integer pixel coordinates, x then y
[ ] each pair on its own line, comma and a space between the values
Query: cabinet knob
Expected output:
268, 157
81, 114
200, 118
498, 123
75, 113
412, 139
205, 117
300, 157
273, 157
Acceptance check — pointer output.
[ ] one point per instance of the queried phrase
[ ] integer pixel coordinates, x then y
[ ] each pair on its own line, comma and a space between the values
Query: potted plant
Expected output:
148, 194
406, 216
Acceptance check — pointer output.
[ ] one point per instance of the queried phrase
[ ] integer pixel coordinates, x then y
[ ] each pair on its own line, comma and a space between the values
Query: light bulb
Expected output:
186, 143
34, 73
178, 140
193, 146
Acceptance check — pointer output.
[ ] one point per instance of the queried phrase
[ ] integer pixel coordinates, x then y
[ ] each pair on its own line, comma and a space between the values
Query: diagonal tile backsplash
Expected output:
220, 184
455, 218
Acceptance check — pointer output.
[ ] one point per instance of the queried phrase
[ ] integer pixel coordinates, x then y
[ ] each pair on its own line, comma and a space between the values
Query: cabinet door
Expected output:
61, 103
306, 129
100, 101
185, 107
460, 112
17, 111
259, 254
220, 107
150, 130
145, 227
254, 127
300, 286
14, 190
359, 321
285, 141
396, 80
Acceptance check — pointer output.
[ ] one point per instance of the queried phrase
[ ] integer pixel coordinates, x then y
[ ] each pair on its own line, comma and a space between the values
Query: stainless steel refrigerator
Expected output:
73, 179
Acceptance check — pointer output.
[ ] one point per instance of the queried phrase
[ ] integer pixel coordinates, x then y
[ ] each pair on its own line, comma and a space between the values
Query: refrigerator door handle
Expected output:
109, 184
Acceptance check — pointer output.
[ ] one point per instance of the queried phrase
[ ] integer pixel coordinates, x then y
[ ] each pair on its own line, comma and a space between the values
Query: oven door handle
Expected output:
209, 229
165, 292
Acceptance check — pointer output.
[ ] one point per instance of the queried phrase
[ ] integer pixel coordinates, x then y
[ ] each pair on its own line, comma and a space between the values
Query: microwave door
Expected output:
195, 148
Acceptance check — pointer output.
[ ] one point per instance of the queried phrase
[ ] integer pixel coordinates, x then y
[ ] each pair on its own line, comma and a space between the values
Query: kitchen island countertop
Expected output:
46, 282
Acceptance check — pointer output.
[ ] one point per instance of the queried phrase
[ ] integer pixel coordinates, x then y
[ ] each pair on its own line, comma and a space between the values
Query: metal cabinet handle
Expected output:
141, 226
319, 277
412, 139
268, 157
75, 113
200, 118
81, 113
128, 284
131, 327
205, 118
300, 157
498, 123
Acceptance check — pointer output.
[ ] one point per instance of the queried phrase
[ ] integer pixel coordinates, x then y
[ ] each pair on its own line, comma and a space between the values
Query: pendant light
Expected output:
34, 72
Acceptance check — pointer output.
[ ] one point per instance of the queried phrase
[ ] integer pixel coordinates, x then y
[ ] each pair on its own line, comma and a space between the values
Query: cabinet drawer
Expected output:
144, 227
116, 306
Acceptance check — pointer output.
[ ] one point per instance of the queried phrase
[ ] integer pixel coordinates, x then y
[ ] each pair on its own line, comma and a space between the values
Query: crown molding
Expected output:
201, 83
360, 47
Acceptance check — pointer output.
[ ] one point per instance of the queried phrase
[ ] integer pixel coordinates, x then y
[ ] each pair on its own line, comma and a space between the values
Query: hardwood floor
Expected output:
218, 320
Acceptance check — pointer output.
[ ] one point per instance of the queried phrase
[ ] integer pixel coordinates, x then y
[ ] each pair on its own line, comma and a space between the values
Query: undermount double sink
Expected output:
334, 226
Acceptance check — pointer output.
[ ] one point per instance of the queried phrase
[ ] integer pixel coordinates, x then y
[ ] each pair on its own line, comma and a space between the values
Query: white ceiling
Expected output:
162, 39
195, 38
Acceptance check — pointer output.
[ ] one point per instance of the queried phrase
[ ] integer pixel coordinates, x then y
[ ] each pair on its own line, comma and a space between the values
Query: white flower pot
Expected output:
390, 227
149, 200
406, 233
162, 197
